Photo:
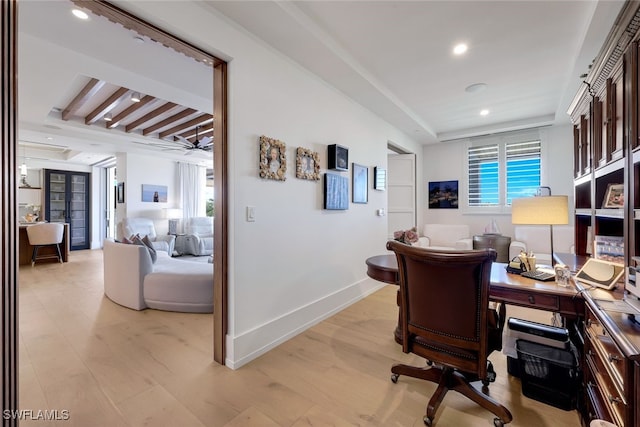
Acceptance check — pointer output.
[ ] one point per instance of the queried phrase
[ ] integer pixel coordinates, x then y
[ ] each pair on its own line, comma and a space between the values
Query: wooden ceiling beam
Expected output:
135, 106
150, 116
168, 121
202, 131
201, 119
106, 106
87, 92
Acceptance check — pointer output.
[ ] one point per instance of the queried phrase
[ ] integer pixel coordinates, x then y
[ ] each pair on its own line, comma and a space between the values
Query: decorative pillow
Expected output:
152, 252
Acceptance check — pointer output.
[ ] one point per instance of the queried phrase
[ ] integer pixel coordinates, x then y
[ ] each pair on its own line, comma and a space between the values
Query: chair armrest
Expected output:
515, 248
464, 244
170, 239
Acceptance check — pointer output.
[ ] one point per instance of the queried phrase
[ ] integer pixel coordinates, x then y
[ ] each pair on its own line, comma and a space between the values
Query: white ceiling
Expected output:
393, 57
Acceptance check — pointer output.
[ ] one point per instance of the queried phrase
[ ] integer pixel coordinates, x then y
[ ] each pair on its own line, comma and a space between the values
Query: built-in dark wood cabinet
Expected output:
67, 201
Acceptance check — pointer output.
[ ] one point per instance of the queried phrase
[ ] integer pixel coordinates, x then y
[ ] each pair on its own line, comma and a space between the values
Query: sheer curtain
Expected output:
191, 184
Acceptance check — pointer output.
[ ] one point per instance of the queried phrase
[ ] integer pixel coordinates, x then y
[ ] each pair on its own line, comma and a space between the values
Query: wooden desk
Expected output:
504, 287
25, 250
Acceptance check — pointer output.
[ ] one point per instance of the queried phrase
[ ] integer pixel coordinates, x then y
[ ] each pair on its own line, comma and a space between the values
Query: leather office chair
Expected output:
445, 318
45, 234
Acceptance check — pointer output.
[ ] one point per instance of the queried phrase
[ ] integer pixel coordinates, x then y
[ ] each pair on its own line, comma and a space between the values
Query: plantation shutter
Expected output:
523, 169
484, 188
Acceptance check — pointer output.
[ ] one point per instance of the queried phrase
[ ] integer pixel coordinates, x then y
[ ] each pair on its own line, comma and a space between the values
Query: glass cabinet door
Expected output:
67, 201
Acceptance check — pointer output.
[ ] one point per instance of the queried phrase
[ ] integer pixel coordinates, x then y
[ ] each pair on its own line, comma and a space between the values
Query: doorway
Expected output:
401, 184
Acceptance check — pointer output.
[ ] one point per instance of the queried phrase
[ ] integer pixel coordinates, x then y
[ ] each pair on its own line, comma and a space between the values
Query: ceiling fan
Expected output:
206, 143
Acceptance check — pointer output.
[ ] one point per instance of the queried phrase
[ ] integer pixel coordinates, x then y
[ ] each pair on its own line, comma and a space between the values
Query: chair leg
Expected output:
59, 253
428, 373
438, 396
462, 386
34, 255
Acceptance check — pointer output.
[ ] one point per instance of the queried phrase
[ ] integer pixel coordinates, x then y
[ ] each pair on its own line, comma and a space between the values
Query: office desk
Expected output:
504, 287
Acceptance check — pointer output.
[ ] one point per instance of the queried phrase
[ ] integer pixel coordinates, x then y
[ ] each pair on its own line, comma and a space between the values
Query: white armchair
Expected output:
445, 236
198, 237
145, 227
537, 239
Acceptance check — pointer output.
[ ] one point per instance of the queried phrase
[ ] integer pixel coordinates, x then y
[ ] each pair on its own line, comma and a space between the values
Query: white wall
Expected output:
298, 263
135, 170
556, 170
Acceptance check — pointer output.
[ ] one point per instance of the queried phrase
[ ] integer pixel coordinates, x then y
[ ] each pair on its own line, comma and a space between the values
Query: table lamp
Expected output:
173, 215
543, 210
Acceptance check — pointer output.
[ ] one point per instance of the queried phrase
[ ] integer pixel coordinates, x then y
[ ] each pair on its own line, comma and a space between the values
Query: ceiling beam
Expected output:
87, 92
150, 116
201, 119
106, 106
130, 110
168, 121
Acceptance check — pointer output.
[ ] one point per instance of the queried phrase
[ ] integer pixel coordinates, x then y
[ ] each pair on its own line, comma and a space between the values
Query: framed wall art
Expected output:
336, 192
338, 157
273, 159
154, 193
379, 178
360, 183
120, 192
307, 164
443, 195
614, 196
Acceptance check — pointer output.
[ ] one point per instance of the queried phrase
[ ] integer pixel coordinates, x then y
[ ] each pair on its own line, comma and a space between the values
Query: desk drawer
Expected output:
531, 299
608, 353
601, 386
597, 408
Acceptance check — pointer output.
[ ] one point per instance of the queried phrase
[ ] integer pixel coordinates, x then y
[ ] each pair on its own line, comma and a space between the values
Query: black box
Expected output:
549, 374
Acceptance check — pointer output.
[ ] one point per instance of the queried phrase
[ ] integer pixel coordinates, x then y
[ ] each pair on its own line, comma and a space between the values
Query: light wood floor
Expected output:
111, 366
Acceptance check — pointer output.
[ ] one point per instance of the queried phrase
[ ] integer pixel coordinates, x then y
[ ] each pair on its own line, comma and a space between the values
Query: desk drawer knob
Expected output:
589, 322
613, 358
532, 300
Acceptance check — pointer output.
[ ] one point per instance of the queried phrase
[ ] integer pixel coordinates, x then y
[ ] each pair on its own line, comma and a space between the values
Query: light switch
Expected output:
251, 214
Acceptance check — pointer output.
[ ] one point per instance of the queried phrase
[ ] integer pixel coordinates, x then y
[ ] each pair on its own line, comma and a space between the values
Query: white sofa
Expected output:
131, 279
198, 237
144, 227
445, 237
537, 239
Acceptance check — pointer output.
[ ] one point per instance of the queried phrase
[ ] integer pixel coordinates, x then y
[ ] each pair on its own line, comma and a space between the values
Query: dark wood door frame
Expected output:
9, 184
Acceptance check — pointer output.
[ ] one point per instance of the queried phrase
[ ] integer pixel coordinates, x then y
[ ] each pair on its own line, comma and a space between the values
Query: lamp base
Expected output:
173, 226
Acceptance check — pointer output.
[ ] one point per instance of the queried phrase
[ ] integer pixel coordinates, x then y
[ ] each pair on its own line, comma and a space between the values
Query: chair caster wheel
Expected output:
498, 422
394, 378
427, 421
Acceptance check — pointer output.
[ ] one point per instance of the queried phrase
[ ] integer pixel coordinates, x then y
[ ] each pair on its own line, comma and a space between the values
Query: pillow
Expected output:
152, 252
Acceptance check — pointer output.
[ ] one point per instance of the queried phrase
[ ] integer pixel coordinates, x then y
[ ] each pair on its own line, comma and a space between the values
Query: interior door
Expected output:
401, 199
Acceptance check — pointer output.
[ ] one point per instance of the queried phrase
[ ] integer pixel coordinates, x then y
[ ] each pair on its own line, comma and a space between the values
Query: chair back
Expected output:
444, 299
48, 233
141, 226
200, 225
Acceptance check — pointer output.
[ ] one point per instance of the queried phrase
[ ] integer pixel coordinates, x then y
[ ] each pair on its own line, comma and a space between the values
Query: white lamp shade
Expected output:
546, 210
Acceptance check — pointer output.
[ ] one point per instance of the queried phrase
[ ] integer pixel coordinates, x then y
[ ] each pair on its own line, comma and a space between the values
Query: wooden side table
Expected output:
494, 241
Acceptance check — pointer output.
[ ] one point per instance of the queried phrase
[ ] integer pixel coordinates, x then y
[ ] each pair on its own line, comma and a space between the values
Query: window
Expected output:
501, 170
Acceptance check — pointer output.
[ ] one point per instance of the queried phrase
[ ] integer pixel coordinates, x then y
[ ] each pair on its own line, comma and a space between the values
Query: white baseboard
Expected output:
244, 348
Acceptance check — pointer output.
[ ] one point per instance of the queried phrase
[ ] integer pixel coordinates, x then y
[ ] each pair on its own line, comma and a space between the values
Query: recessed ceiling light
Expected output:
80, 14
459, 49
476, 87
108, 117
138, 39
49, 138
484, 112
135, 97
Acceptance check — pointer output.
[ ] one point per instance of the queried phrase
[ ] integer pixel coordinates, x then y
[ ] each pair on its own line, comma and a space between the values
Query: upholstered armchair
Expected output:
445, 237
537, 239
145, 227
198, 236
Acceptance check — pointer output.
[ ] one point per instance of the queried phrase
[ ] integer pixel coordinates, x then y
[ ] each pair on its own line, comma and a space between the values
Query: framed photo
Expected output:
379, 178
336, 192
307, 164
273, 159
360, 183
154, 193
614, 196
443, 195
338, 158
120, 193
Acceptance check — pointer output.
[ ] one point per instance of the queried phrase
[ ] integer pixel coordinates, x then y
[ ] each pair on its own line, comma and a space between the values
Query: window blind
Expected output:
484, 178
522, 169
